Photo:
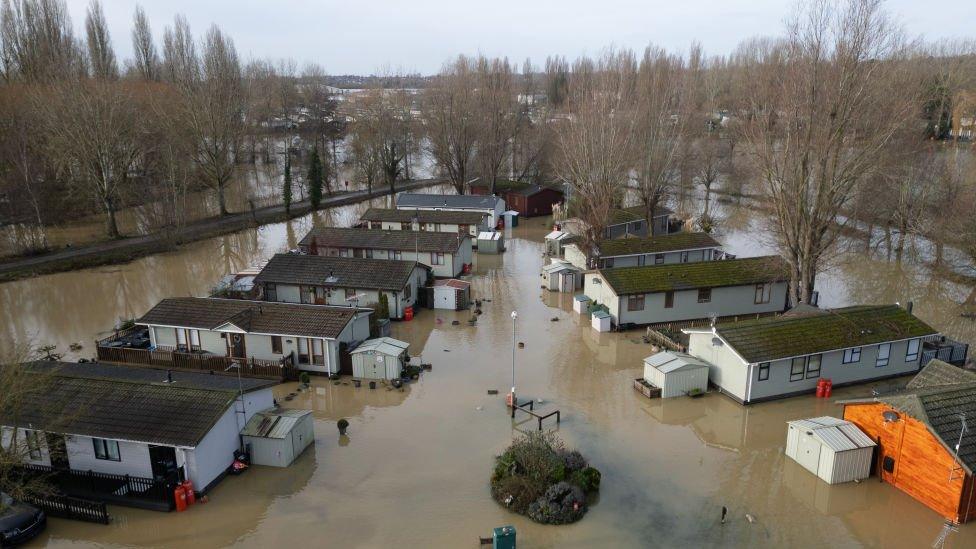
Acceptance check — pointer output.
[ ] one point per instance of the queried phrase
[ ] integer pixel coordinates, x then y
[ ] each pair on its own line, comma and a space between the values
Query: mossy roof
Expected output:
703, 274
685, 240
807, 333
634, 213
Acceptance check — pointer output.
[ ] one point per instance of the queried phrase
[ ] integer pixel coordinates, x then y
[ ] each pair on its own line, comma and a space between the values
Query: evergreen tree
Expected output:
315, 179
286, 191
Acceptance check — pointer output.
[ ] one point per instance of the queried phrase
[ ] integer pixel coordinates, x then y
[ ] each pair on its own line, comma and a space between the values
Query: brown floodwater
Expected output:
413, 470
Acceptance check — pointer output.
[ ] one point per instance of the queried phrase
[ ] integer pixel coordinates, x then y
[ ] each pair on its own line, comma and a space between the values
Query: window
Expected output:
345, 252
180, 338
763, 371
798, 368
302, 350
271, 292
635, 303
658, 259
33, 444
276, 344
813, 366
641, 260
350, 293
911, 355
704, 295
307, 294
437, 227
318, 357
608, 263
195, 340
884, 353
106, 449
395, 254
668, 299
369, 253
407, 291
684, 257
852, 355
436, 258
763, 292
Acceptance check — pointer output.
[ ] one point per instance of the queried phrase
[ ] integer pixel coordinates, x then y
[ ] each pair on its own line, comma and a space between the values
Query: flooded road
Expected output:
413, 471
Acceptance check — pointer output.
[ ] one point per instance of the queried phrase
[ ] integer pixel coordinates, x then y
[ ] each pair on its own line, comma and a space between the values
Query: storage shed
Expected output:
581, 303
380, 358
277, 436
557, 240
561, 276
833, 449
491, 242
452, 294
600, 320
677, 374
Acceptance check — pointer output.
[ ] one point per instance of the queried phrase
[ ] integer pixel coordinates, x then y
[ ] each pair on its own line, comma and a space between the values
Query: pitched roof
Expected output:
837, 434
385, 345
657, 244
273, 423
703, 274
337, 272
123, 410
152, 376
378, 239
424, 216
807, 333
517, 187
462, 201
635, 213
262, 317
938, 396
670, 361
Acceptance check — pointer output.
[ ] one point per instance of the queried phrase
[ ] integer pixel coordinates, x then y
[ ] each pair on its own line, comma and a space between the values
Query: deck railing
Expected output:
56, 505
944, 349
167, 357
119, 489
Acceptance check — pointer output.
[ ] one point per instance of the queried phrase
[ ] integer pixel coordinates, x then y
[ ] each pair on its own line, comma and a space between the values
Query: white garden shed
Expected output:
561, 276
600, 320
490, 242
676, 373
833, 449
380, 358
452, 294
277, 436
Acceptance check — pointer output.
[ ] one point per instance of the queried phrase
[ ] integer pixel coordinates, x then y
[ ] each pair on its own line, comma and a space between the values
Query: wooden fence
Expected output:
68, 507
167, 358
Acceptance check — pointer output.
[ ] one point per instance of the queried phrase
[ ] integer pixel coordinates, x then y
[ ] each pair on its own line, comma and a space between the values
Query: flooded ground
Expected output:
413, 471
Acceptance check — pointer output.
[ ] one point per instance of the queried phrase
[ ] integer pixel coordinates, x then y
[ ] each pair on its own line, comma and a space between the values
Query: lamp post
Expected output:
514, 344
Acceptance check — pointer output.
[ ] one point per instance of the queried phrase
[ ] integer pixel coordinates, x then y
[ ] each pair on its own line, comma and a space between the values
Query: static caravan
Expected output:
833, 449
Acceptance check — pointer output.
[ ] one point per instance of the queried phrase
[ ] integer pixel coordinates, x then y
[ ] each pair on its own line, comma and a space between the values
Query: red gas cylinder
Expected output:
828, 388
821, 388
191, 496
408, 313
467, 268
179, 495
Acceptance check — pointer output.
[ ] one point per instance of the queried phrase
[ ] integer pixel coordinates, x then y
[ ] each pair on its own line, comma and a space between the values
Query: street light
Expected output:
514, 344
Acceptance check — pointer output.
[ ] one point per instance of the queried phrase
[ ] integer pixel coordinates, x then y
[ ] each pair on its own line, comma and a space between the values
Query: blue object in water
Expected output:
503, 537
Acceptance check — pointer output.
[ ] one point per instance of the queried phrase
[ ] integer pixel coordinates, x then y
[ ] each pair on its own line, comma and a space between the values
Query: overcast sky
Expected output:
369, 36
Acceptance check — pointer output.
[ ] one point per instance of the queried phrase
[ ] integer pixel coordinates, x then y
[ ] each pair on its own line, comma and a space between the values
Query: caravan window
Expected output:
763, 371
911, 355
106, 449
797, 368
884, 353
813, 366
763, 292
33, 444
318, 357
635, 303
852, 355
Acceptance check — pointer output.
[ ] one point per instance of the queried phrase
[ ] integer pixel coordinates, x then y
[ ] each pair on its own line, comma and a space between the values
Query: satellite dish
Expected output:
889, 416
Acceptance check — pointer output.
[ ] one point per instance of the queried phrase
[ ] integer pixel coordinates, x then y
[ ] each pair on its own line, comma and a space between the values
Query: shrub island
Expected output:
539, 478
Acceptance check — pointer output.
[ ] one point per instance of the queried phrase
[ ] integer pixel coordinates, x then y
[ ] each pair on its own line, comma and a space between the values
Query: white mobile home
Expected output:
308, 336
157, 426
628, 222
492, 206
438, 221
775, 357
446, 254
833, 449
683, 247
348, 281
689, 291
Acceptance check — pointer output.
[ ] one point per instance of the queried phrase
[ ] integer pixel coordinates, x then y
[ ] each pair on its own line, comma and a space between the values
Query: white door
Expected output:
808, 452
377, 367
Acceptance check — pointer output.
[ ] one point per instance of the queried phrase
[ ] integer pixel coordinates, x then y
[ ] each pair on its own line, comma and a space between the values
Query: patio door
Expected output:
163, 461
235, 346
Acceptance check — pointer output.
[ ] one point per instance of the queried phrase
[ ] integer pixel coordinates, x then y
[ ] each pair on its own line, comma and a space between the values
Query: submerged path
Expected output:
126, 249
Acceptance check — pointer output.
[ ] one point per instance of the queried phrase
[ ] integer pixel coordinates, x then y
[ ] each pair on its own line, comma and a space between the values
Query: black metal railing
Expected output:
119, 489
946, 350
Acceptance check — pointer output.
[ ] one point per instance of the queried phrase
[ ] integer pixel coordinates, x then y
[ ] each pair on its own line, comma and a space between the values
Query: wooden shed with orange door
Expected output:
926, 437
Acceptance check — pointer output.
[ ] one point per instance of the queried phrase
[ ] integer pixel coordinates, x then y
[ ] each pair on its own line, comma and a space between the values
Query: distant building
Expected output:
493, 206
964, 116
683, 247
688, 291
438, 221
926, 438
775, 357
528, 199
349, 281
632, 222
445, 253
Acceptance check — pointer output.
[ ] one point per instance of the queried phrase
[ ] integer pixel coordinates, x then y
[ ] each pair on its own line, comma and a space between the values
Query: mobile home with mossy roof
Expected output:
689, 291
782, 356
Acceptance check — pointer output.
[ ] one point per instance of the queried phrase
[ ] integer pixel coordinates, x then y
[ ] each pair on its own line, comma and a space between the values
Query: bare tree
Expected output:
94, 135
101, 56
593, 147
449, 121
38, 42
824, 104
143, 46
495, 106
